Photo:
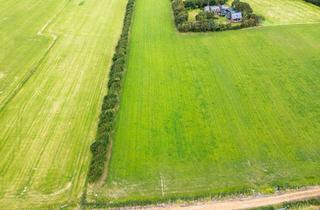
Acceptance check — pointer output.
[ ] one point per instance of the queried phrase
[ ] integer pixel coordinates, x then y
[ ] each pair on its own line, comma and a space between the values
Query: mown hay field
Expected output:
286, 12
54, 61
216, 113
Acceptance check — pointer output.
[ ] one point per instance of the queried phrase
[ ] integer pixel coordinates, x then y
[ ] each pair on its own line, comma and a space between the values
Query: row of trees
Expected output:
206, 21
193, 4
179, 11
316, 2
111, 101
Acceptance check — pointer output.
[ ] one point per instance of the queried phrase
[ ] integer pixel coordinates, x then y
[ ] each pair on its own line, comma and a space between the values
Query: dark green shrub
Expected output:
316, 2
182, 17
192, 4
243, 7
250, 20
111, 101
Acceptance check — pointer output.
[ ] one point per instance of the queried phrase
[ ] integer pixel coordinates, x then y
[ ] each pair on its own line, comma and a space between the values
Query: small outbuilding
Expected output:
233, 15
214, 9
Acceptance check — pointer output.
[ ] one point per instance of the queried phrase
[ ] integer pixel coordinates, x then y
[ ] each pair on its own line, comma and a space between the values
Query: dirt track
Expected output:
251, 202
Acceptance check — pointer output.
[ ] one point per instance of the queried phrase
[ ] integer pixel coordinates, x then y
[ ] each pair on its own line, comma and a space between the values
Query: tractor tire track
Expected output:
26, 78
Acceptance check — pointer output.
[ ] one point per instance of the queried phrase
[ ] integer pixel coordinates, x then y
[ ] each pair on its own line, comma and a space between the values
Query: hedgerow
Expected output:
316, 2
111, 101
192, 4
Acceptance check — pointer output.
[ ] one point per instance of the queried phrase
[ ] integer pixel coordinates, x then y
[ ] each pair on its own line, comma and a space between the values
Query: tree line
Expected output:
316, 2
193, 4
110, 104
205, 21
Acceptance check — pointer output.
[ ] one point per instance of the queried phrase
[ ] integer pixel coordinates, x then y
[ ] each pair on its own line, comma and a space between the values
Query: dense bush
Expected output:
243, 7
316, 2
197, 26
250, 20
110, 104
179, 11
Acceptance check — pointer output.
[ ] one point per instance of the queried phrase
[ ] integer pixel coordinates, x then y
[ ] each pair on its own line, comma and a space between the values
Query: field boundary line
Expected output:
283, 24
242, 202
244, 29
28, 75
100, 148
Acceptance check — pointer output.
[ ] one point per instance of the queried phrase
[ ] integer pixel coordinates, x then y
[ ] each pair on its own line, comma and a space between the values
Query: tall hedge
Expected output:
316, 2
192, 4
110, 104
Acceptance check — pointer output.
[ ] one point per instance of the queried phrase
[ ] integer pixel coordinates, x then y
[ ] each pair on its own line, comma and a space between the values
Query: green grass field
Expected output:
222, 112
200, 113
282, 12
54, 61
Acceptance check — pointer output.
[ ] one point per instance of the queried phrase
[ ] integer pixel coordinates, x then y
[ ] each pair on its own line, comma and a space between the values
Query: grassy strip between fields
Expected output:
110, 105
195, 198
171, 199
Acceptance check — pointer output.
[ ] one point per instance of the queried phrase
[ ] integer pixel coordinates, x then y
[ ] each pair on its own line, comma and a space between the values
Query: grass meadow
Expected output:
286, 12
201, 113
54, 61
210, 113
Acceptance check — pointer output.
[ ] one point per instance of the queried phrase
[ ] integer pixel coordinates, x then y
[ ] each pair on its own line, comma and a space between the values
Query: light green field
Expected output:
282, 12
54, 61
222, 112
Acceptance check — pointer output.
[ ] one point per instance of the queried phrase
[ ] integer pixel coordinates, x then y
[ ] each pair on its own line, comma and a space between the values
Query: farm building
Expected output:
215, 9
233, 15
223, 10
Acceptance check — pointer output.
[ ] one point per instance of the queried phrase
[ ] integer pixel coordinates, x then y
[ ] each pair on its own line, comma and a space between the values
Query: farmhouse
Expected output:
223, 9
233, 15
215, 9
229, 12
